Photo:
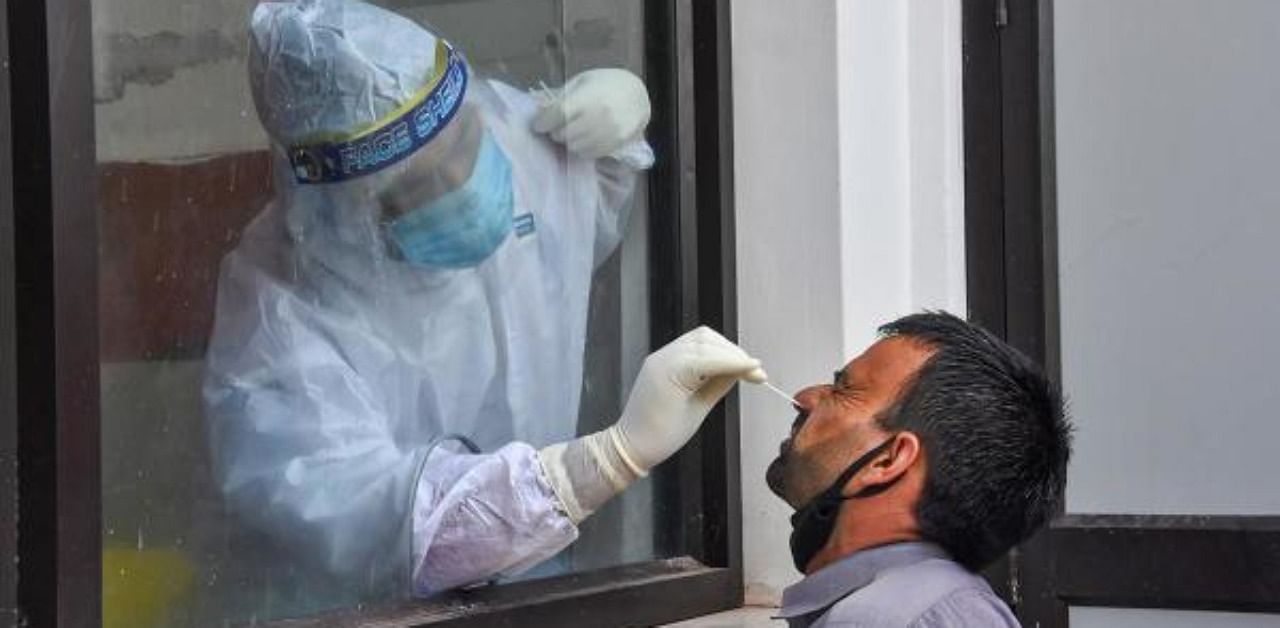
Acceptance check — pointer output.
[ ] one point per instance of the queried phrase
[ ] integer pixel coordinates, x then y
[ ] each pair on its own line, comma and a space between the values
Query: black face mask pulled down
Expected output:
813, 523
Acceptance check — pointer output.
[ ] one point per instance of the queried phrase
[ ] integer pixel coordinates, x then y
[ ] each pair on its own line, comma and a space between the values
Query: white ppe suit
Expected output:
334, 367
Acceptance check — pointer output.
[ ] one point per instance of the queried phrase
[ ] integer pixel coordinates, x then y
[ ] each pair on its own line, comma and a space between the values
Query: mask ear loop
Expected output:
857, 466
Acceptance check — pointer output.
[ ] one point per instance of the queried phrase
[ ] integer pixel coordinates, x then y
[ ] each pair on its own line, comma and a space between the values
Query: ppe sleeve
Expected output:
480, 516
616, 176
301, 447
303, 450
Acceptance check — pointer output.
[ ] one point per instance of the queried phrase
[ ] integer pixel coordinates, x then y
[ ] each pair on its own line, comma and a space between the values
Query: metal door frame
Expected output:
1224, 563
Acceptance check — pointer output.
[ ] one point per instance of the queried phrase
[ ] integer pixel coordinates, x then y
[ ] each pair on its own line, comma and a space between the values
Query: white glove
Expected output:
596, 113
677, 387
675, 390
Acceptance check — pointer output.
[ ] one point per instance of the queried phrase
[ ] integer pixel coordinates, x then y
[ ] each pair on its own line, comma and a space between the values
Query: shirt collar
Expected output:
830, 584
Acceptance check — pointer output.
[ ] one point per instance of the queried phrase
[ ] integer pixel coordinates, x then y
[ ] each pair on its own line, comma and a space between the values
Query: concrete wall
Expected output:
847, 158
171, 85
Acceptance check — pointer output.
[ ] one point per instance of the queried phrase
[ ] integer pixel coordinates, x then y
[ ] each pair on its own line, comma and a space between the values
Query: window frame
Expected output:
1185, 562
8, 357
50, 513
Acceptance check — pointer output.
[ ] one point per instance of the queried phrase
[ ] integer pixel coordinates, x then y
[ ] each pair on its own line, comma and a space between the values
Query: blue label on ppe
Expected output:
524, 225
393, 141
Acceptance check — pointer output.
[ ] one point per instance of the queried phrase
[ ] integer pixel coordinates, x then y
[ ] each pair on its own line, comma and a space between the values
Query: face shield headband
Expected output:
396, 136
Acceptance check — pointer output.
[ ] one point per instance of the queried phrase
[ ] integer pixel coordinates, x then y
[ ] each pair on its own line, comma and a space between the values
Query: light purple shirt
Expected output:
903, 585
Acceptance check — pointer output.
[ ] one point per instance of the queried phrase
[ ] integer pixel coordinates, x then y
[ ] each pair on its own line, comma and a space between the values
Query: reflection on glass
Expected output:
294, 321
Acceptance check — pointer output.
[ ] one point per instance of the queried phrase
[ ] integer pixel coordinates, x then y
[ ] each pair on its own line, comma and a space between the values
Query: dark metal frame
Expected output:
1164, 561
53, 223
8, 359
1147, 561
49, 405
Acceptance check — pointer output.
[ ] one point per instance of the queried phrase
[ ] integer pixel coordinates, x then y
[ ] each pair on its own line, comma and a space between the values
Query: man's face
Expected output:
836, 422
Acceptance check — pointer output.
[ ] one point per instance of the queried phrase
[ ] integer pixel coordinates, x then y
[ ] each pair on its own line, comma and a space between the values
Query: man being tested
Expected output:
423, 274
927, 457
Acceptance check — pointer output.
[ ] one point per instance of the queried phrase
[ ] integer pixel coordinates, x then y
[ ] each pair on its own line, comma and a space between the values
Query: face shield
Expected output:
442, 166
450, 206
386, 156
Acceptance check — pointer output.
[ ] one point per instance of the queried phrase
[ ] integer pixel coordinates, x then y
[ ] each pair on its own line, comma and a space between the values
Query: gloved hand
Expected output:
677, 387
675, 390
596, 113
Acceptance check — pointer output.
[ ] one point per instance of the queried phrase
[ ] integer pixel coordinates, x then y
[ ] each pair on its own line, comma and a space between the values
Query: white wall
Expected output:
849, 205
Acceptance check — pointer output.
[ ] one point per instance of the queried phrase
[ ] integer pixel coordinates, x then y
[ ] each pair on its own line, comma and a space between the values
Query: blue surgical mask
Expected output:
465, 226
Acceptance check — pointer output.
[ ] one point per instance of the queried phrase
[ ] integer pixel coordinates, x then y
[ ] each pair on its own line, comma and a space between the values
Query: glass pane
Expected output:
279, 358
1167, 148
1085, 617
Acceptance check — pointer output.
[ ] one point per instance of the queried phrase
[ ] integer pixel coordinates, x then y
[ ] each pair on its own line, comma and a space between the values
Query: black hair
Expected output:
995, 435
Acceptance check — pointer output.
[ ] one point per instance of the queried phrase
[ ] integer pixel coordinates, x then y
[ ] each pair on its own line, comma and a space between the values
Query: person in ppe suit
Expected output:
423, 272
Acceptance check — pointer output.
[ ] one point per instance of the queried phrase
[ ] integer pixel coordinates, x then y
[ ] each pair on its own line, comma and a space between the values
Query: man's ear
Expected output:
894, 461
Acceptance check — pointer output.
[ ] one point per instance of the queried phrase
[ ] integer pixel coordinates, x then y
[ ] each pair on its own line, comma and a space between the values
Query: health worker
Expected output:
423, 275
